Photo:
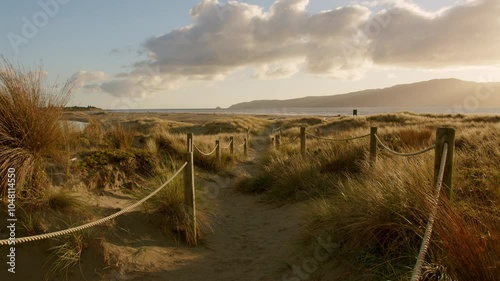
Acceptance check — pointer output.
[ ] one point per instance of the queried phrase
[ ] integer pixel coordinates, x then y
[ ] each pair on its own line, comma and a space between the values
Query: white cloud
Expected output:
82, 79
464, 35
338, 43
246, 37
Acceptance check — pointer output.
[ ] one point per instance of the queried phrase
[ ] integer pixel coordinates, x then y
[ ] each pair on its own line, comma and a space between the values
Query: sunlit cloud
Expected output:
341, 43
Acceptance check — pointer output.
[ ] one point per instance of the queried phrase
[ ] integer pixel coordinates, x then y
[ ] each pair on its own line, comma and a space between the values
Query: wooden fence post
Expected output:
245, 148
373, 144
231, 145
445, 135
189, 142
278, 141
303, 141
354, 112
190, 199
217, 149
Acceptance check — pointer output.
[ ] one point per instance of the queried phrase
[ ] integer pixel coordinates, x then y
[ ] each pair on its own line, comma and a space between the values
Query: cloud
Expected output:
463, 35
343, 42
243, 35
82, 79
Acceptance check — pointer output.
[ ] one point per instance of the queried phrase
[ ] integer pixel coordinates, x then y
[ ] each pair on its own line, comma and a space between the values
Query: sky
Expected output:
140, 54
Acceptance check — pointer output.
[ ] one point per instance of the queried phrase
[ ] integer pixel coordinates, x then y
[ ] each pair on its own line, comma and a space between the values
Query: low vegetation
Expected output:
378, 213
375, 212
60, 165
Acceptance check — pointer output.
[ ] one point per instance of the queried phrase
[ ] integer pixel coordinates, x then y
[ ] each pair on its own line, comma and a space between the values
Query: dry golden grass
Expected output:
29, 127
378, 212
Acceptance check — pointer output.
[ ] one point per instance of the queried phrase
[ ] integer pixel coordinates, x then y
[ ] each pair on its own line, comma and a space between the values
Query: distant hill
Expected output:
439, 92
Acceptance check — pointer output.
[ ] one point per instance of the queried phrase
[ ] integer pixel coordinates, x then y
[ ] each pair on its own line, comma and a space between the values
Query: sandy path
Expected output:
251, 241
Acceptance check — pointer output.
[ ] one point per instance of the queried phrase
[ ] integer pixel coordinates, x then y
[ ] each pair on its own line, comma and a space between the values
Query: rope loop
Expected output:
241, 145
204, 153
224, 147
404, 154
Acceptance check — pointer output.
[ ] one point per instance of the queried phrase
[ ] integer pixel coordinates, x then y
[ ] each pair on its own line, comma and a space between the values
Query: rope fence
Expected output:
94, 223
226, 146
218, 147
241, 145
204, 153
404, 154
443, 167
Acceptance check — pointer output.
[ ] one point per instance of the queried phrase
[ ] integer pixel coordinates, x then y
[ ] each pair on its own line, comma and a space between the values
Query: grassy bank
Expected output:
378, 213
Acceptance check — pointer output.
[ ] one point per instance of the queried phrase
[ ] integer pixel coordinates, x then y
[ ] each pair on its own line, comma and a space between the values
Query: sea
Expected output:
324, 111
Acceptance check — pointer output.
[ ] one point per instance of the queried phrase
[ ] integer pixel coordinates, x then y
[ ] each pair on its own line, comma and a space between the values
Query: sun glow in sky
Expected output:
208, 53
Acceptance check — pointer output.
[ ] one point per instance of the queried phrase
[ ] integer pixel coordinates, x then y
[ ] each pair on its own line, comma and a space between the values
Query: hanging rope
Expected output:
94, 223
203, 153
404, 154
224, 147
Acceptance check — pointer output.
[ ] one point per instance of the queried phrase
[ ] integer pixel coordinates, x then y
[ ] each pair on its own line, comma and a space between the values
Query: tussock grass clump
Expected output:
168, 212
29, 127
38, 216
94, 132
65, 256
120, 136
379, 221
287, 176
116, 168
375, 218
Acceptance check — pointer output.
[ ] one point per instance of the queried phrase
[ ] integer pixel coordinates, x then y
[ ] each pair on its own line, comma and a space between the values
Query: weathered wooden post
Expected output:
189, 142
445, 135
190, 200
354, 112
303, 141
217, 149
245, 151
373, 144
231, 145
278, 141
